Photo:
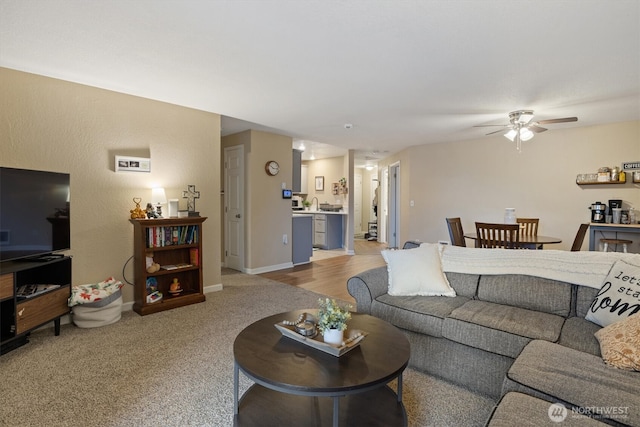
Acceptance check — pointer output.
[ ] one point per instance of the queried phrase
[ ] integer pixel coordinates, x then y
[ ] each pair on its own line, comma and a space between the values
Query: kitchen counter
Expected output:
601, 230
318, 212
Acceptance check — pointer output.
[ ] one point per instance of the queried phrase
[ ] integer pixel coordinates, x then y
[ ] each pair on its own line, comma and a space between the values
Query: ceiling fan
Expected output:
522, 128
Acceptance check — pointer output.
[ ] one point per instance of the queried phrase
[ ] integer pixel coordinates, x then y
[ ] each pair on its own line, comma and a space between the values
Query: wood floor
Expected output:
328, 274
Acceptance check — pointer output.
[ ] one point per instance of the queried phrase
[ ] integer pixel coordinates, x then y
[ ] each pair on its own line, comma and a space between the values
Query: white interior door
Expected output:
234, 207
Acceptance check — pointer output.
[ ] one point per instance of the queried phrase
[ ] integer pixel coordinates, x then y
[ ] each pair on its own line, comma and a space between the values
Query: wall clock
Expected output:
272, 168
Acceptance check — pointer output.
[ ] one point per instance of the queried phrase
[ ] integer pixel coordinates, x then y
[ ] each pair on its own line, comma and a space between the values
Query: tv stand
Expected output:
41, 258
20, 316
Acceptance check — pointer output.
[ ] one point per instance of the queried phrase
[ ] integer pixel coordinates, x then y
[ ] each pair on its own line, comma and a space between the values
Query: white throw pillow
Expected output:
417, 272
619, 296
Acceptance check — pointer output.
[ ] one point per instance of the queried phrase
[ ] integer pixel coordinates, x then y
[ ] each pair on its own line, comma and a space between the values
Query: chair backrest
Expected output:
497, 235
455, 232
577, 242
528, 226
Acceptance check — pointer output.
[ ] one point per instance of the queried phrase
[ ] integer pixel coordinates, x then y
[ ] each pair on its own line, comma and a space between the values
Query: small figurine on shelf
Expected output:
151, 212
137, 212
152, 266
174, 288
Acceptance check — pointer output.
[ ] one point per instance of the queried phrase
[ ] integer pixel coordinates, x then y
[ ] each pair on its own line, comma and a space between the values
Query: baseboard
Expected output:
126, 306
269, 268
213, 288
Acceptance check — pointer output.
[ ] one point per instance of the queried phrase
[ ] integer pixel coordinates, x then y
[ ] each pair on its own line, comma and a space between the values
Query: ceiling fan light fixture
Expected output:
511, 135
525, 134
525, 117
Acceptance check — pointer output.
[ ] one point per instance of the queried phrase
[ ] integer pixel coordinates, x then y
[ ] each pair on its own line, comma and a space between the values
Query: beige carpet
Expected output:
175, 368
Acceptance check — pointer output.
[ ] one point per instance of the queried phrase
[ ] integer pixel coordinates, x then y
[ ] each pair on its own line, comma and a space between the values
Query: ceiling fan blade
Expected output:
563, 120
496, 131
484, 126
536, 128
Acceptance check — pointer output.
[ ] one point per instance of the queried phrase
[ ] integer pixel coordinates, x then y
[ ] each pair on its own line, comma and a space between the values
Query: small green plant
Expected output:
331, 315
306, 203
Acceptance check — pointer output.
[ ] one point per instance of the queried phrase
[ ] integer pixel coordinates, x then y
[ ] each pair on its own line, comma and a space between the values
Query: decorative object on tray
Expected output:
332, 320
304, 330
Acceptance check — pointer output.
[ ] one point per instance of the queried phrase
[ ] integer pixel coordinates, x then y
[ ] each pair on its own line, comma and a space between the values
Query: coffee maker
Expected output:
598, 211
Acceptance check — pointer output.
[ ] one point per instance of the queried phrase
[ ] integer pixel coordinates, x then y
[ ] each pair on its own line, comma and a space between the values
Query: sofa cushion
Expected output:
620, 343
577, 333
498, 328
619, 296
464, 284
584, 298
581, 380
533, 293
417, 272
417, 313
522, 410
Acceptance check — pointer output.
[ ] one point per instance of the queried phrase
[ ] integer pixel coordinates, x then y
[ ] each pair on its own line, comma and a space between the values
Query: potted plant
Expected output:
306, 204
332, 320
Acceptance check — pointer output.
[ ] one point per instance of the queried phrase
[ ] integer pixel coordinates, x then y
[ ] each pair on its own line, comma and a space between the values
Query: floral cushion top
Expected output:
83, 294
620, 343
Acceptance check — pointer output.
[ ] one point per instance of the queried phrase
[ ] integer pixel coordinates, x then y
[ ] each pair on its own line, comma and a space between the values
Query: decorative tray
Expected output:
353, 338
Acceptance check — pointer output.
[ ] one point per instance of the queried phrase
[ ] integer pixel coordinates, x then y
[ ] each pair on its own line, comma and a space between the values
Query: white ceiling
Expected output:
402, 73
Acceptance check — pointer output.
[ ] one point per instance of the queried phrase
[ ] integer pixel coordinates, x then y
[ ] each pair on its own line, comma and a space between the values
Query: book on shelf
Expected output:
161, 236
194, 256
175, 266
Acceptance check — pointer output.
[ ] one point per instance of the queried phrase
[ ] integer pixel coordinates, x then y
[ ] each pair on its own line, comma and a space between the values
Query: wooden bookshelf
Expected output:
175, 244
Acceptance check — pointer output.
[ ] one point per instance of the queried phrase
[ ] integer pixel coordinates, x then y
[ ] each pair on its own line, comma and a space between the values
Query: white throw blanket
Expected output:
580, 268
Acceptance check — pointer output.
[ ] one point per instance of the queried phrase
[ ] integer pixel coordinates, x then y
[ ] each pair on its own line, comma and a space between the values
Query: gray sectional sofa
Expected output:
508, 334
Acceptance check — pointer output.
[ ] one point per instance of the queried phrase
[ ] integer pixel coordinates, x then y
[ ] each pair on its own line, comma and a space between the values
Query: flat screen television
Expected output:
34, 213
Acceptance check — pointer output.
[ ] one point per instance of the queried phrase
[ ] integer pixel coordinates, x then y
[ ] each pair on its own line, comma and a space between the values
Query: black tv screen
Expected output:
34, 213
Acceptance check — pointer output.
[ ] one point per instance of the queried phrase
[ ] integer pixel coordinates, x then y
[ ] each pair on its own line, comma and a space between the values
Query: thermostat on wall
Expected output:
286, 194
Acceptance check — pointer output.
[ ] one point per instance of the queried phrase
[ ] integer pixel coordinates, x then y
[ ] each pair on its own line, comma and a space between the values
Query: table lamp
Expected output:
158, 198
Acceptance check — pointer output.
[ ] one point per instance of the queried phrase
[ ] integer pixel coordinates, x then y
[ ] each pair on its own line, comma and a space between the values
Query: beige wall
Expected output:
332, 168
477, 179
50, 124
267, 214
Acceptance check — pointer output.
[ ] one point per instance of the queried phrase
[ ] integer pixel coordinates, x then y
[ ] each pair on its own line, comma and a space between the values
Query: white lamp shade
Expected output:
511, 135
525, 134
158, 196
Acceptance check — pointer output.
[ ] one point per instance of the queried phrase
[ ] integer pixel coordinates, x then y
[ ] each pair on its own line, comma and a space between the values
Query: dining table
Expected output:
527, 241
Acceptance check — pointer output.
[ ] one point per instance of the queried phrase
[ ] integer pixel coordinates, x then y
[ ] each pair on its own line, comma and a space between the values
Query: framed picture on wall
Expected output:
319, 183
132, 164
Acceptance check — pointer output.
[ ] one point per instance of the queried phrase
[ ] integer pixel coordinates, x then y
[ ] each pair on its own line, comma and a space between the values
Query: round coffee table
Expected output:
296, 383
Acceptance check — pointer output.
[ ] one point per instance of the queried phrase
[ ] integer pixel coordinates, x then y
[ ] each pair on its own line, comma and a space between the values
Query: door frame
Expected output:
394, 205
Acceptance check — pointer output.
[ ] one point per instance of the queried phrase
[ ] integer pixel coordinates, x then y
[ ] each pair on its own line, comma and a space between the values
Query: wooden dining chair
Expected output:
529, 227
490, 235
456, 234
577, 242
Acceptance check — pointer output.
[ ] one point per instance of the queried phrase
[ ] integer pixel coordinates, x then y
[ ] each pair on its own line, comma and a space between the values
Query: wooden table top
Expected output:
263, 353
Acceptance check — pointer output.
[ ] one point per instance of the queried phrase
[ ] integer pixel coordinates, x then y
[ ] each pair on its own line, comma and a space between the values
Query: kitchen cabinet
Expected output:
302, 244
327, 231
297, 171
304, 179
